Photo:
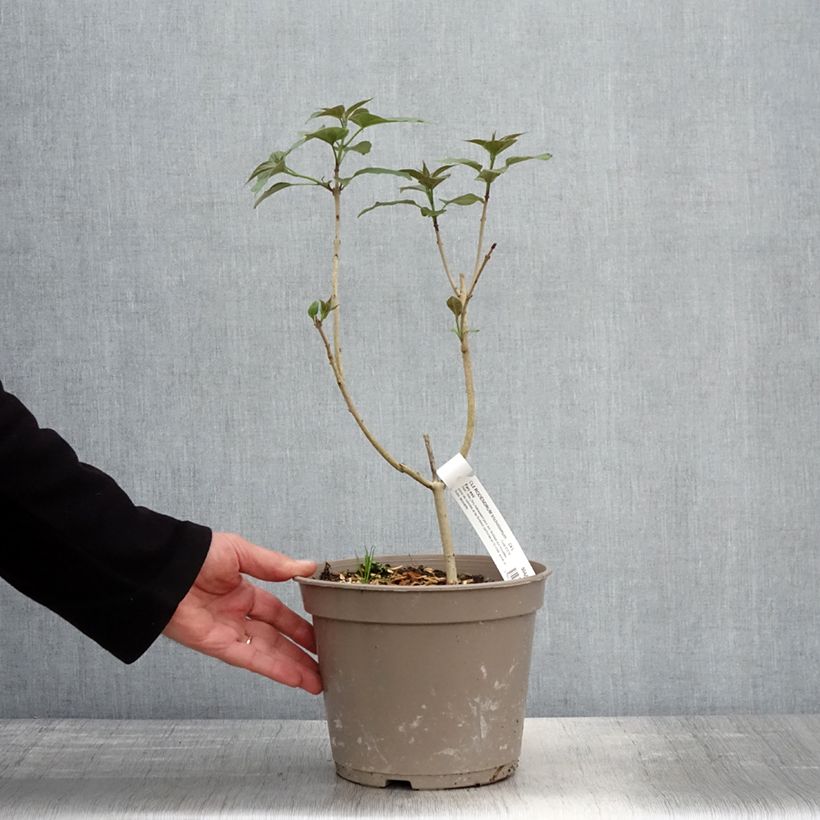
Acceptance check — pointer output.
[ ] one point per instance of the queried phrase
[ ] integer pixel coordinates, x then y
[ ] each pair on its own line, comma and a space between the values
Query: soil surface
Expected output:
400, 575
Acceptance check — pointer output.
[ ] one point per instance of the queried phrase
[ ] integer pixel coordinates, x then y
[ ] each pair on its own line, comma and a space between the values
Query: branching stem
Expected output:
340, 381
465, 294
445, 533
481, 270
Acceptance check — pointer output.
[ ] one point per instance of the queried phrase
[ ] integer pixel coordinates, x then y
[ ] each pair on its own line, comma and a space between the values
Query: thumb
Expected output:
269, 565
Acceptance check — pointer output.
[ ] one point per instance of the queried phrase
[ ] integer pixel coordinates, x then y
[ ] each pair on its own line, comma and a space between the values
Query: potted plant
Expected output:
424, 658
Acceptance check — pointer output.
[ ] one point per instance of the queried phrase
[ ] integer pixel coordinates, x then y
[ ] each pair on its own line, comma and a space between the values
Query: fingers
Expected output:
266, 638
272, 664
269, 565
268, 608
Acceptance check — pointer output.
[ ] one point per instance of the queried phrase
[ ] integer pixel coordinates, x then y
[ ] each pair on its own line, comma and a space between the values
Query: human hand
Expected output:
227, 617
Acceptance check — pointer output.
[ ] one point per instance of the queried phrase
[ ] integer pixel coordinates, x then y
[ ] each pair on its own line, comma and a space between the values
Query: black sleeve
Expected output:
73, 540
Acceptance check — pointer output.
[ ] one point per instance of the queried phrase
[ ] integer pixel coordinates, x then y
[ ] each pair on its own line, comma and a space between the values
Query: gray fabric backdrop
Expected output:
647, 364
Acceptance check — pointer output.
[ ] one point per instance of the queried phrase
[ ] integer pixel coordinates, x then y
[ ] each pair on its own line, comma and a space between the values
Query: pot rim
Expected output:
540, 575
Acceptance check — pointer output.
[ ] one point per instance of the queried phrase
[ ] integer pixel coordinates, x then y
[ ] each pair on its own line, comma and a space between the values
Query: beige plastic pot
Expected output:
426, 685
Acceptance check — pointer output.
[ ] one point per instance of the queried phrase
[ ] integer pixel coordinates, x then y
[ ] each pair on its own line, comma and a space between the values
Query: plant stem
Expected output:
430, 457
340, 381
481, 270
481, 227
334, 352
465, 294
334, 275
440, 499
443, 255
350, 141
467, 364
315, 181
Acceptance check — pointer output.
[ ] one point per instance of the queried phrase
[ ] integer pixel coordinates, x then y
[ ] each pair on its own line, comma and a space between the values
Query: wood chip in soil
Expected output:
400, 575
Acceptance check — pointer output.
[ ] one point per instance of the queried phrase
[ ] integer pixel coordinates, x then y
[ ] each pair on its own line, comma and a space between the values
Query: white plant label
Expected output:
485, 518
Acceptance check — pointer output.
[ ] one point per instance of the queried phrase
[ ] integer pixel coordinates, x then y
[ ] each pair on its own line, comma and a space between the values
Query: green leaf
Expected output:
464, 199
496, 145
470, 163
431, 212
424, 177
269, 166
266, 170
483, 143
391, 171
412, 173
454, 303
325, 309
361, 147
329, 134
313, 310
357, 105
301, 141
364, 119
490, 174
260, 169
260, 183
515, 160
413, 188
391, 202
337, 111
279, 186
274, 164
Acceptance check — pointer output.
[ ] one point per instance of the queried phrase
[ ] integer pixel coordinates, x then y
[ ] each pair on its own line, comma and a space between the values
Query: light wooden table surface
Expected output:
742, 766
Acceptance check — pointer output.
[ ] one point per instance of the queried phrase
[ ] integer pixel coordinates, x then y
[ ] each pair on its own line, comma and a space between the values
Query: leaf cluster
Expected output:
320, 310
426, 181
343, 139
